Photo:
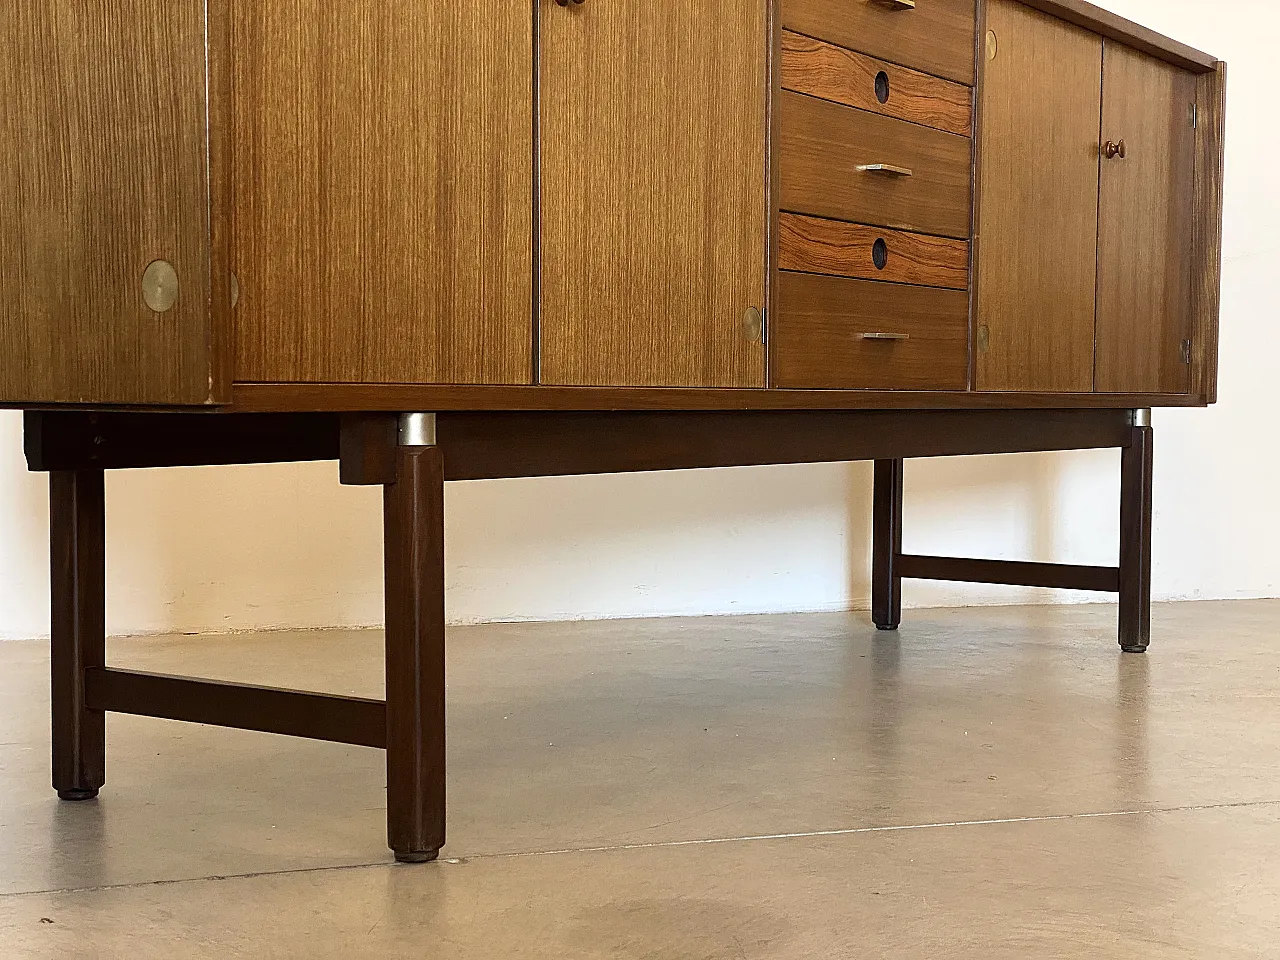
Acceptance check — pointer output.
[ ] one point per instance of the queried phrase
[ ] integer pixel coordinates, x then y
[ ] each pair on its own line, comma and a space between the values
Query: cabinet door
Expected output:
384, 191
114, 284
1144, 253
652, 186
1038, 203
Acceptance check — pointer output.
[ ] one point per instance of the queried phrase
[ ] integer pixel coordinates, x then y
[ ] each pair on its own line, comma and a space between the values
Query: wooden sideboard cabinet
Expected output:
514, 238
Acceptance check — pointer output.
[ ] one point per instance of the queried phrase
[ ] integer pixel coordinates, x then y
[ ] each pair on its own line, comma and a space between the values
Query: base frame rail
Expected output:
411, 456
1131, 579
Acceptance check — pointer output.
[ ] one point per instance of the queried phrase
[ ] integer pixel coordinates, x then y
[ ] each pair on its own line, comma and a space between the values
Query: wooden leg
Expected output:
414, 543
77, 535
886, 584
1135, 542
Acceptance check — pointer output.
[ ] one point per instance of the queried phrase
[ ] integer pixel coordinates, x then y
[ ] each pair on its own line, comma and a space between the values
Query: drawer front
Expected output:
813, 245
840, 334
849, 164
935, 36
824, 70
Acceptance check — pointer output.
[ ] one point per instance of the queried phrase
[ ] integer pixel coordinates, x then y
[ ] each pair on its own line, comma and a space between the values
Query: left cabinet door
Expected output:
383, 190
653, 191
114, 281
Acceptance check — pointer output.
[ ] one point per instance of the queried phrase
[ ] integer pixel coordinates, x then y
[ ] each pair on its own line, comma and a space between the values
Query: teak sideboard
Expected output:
509, 238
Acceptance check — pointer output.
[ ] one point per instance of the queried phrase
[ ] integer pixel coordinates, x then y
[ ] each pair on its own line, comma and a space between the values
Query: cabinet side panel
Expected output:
653, 178
104, 169
1145, 227
383, 180
1206, 256
1037, 250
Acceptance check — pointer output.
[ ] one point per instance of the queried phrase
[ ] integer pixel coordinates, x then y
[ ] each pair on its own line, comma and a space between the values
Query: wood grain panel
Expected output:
653, 191
1145, 226
1114, 27
818, 335
823, 145
106, 168
833, 73
1037, 253
1206, 255
395, 397
384, 191
842, 249
936, 37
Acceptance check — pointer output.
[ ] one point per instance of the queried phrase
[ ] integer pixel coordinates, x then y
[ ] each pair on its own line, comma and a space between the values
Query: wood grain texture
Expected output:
1206, 255
653, 179
105, 168
1145, 225
1114, 27
886, 544
813, 245
824, 70
1037, 253
77, 591
936, 37
480, 446
823, 144
384, 191
413, 572
392, 397
818, 335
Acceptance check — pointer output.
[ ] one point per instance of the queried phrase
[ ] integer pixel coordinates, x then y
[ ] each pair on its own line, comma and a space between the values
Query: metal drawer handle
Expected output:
1112, 150
565, 3
885, 169
885, 336
898, 4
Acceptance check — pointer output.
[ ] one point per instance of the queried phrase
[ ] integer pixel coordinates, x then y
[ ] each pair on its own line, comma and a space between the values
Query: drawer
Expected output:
821, 69
849, 164
841, 334
813, 245
935, 36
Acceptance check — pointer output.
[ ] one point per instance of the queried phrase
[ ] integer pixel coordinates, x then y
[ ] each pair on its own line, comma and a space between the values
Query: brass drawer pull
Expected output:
886, 169
1112, 150
565, 3
885, 336
898, 4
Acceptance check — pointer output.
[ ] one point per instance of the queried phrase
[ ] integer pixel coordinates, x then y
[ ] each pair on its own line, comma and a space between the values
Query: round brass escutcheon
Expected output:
993, 45
160, 286
753, 324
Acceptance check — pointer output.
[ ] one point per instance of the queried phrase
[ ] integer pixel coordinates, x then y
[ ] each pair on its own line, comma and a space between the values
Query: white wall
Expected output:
237, 548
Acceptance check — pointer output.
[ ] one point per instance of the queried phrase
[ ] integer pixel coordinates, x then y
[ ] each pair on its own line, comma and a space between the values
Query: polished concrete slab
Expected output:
989, 782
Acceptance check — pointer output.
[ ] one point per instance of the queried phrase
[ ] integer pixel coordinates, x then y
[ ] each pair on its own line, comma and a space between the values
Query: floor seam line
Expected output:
658, 845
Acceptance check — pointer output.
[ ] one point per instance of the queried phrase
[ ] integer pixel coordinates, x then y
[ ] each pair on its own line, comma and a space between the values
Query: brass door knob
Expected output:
1111, 150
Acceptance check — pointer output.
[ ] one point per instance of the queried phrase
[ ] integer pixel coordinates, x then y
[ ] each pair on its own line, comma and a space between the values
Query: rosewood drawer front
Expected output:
830, 72
847, 164
838, 333
935, 36
814, 245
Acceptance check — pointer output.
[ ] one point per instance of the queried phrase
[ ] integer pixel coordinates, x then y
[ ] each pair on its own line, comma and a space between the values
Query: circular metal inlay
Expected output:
753, 324
993, 45
882, 87
880, 254
235, 291
160, 286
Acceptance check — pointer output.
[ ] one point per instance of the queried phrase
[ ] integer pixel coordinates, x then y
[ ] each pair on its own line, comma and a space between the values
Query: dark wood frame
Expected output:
373, 449
1131, 579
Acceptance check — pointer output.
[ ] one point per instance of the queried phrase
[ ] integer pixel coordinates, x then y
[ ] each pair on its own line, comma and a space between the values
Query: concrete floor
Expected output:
993, 782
